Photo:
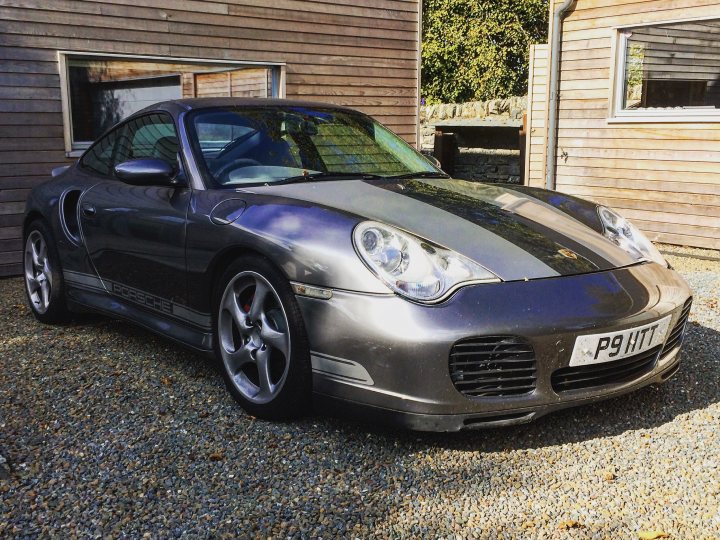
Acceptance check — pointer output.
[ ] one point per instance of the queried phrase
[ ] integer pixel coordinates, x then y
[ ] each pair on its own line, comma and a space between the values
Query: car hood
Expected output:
514, 233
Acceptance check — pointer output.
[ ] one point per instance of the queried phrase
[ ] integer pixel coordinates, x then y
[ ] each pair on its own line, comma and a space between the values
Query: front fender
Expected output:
310, 243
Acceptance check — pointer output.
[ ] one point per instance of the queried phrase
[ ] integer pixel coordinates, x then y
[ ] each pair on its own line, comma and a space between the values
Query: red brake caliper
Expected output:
247, 305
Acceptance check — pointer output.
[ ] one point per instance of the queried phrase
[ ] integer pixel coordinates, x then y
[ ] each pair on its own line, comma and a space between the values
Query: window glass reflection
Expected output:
103, 91
673, 66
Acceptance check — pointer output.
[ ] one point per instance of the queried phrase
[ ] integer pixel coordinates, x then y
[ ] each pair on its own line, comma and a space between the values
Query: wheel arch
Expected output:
225, 257
31, 216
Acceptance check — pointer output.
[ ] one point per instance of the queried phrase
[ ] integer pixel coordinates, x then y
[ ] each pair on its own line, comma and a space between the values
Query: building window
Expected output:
99, 91
669, 72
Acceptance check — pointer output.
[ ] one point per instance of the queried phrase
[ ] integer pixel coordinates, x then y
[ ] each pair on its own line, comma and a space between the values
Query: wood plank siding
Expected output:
537, 115
359, 54
661, 174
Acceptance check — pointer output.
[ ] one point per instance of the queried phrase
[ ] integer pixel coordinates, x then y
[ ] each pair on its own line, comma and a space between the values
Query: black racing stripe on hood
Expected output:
584, 211
541, 242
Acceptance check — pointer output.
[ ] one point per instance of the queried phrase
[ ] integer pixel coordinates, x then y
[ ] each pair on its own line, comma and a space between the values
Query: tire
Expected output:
44, 284
260, 340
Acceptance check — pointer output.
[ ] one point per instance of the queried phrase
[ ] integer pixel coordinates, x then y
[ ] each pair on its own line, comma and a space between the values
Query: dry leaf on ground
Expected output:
571, 524
652, 535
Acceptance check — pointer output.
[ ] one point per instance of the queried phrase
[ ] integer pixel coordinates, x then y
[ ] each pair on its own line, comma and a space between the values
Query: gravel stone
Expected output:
109, 431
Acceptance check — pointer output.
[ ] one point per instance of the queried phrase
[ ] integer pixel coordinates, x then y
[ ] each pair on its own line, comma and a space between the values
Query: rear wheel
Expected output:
44, 284
261, 341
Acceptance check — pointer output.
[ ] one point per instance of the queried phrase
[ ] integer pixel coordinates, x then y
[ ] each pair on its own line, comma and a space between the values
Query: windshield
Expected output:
257, 145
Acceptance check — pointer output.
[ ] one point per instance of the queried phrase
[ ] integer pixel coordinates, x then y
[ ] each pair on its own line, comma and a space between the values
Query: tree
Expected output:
474, 50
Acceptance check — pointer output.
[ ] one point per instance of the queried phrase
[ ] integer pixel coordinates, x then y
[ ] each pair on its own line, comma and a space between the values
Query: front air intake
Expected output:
493, 366
603, 373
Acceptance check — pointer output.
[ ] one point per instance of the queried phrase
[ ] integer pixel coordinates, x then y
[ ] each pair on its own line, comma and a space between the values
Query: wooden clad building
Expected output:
638, 121
70, 68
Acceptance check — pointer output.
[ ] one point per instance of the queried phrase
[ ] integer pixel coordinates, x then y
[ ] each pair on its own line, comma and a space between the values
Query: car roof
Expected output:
187, 104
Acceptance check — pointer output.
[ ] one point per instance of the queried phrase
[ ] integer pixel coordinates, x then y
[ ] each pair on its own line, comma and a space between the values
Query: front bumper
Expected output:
390, 357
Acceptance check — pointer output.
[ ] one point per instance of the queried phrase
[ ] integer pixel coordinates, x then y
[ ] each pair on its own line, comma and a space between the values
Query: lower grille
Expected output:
617, 372
493, 366
677, 334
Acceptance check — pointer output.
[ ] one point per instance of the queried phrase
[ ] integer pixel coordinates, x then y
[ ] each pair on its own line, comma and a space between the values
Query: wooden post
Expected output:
444, 150
523, 148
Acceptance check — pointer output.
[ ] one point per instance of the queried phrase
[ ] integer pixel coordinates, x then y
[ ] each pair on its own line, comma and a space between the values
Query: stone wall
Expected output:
488, 165
481, 164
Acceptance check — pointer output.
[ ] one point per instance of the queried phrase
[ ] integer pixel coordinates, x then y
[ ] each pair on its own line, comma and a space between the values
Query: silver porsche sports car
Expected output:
322, 260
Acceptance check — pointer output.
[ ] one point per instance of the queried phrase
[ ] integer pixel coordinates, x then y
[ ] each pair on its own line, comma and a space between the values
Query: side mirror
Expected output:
146, 172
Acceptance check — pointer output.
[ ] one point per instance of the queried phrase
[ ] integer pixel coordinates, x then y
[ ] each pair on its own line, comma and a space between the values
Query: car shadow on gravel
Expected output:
695, 386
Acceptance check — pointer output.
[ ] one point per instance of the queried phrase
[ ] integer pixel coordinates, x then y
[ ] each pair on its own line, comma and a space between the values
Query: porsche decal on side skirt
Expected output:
136, 296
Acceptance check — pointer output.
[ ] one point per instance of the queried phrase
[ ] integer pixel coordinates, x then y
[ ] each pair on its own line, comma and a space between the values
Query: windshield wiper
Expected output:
328, 175
420, 174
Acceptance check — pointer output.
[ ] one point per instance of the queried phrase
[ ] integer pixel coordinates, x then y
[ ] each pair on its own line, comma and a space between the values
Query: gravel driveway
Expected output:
110, 431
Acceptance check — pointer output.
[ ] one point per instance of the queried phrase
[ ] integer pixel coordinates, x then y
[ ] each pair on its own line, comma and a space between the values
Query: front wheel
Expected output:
261, 341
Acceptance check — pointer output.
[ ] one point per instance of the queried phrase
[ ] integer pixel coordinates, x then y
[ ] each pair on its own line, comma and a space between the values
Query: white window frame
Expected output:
619, 115
73, 149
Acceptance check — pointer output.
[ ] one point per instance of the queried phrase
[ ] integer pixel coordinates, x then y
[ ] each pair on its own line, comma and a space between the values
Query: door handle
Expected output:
88, 209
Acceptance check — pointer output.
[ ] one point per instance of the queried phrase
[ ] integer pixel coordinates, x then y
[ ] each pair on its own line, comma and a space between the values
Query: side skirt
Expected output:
100, 301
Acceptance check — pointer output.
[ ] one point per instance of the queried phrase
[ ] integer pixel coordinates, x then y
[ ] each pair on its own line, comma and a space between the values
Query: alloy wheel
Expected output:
38, 272
254, 337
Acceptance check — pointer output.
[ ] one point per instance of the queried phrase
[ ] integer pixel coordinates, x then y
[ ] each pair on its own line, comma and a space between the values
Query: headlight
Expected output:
623, 233
414, 267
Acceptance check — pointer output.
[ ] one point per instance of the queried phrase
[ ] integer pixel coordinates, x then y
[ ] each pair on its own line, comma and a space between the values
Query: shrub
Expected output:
474, 50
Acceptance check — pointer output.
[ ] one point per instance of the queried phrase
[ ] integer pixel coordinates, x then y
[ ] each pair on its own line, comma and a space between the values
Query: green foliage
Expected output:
634, 72
474, 50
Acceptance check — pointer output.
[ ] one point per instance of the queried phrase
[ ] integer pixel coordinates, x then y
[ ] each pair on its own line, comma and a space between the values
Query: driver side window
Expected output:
150, 136
98, 159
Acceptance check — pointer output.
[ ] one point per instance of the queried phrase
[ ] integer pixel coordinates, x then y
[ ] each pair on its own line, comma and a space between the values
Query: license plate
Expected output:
598, 348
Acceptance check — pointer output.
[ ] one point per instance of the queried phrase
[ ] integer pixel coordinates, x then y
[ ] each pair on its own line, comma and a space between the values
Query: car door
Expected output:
135, 235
